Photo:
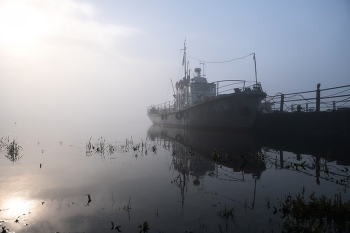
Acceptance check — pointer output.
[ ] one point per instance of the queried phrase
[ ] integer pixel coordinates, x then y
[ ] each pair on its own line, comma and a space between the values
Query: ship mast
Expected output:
184, 58
256, 76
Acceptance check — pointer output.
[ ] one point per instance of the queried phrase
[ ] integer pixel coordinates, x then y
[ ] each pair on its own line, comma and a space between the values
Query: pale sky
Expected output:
64, 60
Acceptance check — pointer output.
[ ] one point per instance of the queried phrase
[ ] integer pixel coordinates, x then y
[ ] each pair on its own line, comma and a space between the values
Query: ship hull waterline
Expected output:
235, 111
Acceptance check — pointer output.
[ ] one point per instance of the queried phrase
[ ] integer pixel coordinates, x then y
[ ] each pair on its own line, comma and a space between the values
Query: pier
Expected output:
315, 114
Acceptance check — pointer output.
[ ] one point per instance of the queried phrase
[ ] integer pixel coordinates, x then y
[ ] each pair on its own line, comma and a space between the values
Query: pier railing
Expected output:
328, 99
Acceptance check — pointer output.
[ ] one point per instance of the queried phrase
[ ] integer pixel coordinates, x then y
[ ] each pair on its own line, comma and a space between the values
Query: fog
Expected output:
81, 66
78, 149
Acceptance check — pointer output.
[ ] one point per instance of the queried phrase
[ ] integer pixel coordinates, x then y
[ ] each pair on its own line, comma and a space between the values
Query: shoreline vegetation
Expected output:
314, 214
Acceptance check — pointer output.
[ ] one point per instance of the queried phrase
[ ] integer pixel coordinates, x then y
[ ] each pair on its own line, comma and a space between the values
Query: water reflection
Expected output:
16, 206
325, 159
224, 156
198, 153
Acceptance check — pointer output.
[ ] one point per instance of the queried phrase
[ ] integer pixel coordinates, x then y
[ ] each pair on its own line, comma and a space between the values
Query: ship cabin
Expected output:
195, 90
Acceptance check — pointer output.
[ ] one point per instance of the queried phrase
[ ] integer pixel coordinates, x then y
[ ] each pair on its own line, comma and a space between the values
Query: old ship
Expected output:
224, 104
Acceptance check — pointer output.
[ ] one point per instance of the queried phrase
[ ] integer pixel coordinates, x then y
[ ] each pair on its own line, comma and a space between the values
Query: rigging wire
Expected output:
221, 61
167, 93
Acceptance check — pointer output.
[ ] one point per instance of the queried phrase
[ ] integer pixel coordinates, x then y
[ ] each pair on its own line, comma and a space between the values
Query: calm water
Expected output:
176, 180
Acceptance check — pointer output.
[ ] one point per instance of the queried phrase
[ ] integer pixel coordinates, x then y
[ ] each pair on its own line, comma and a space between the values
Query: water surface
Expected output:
177, 180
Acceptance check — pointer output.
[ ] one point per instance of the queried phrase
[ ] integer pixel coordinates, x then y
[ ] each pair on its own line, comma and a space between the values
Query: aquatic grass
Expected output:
110, 149
154, 149
13, 151
317, 214
89, 147
101, 146
144, 228
226, 213
136, 147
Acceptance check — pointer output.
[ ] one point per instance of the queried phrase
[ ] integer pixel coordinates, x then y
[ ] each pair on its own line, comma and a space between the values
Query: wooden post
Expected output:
334, 108
318, 97
307, 107
282, 103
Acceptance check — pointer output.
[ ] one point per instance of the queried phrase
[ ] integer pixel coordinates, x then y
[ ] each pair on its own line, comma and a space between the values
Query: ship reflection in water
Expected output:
224, 156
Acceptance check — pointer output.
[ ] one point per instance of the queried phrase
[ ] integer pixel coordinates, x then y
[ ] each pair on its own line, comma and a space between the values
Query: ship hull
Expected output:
233, 111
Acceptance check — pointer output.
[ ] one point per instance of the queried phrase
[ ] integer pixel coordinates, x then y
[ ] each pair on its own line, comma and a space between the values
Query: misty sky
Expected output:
67, 61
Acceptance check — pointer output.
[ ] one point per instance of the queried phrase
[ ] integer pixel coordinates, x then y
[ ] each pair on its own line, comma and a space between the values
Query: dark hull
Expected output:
233, 111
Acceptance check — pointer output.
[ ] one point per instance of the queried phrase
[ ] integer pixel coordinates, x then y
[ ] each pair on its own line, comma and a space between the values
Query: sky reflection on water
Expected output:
177, 180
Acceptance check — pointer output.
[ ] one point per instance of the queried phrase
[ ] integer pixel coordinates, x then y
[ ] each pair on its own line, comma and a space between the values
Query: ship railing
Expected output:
224, 87
236, 86
328, 99
162, 108
229, 86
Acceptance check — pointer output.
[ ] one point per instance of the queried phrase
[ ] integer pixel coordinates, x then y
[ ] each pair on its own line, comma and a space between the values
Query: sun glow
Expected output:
21, 24
15, 207
41, 29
